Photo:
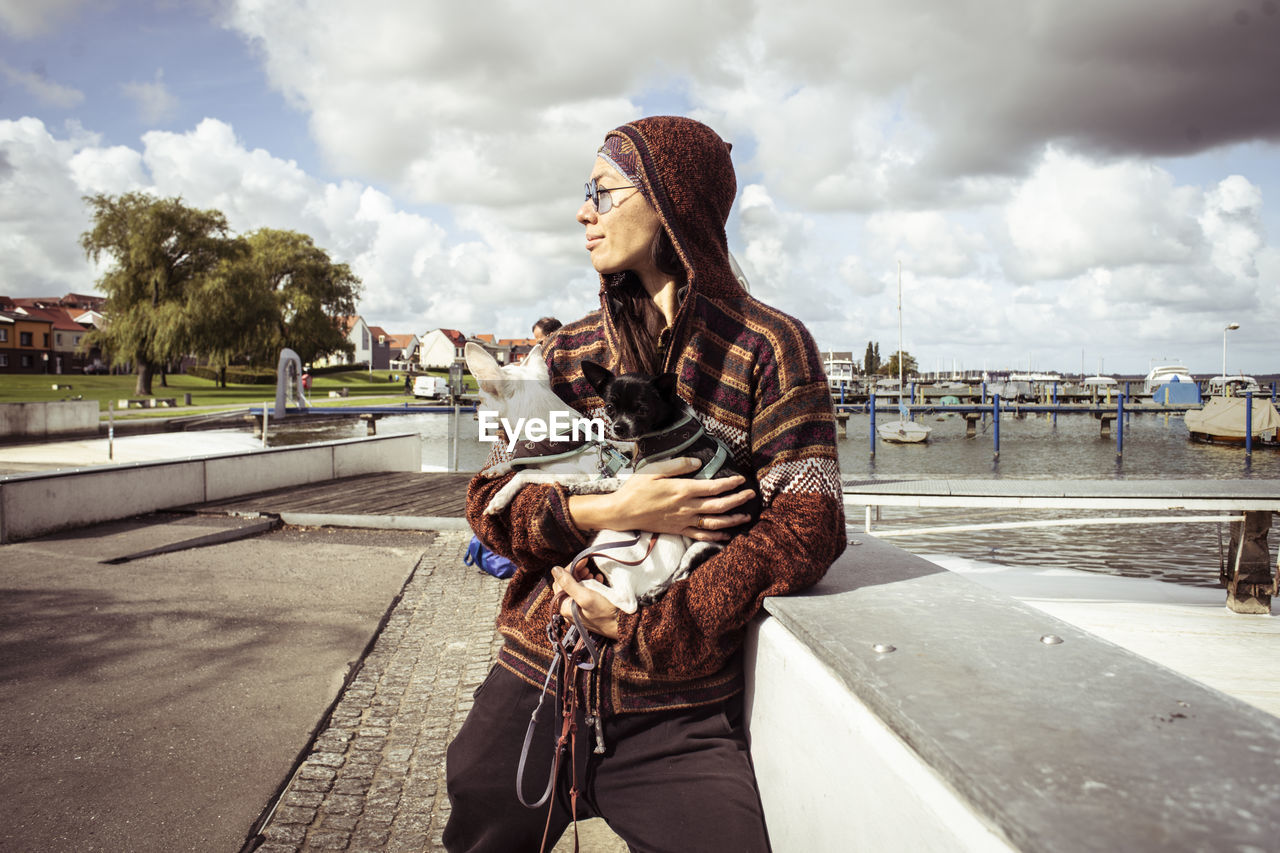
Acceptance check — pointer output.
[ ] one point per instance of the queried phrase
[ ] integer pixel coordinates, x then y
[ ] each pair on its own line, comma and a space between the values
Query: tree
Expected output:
309, 293
230, 313
909, 366
162, 251
871, 359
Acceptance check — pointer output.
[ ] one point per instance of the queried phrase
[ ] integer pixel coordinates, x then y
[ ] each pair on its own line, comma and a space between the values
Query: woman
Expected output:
675, 775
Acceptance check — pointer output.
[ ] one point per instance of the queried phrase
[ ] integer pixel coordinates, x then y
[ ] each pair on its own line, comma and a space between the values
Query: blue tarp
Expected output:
1177, 394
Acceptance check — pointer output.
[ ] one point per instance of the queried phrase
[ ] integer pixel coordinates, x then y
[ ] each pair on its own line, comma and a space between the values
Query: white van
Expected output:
431, 387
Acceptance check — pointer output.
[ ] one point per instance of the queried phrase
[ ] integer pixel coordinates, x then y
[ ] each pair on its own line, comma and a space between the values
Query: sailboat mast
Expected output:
899, 333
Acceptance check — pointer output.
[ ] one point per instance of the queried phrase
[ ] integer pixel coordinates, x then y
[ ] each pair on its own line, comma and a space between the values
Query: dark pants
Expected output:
668, 781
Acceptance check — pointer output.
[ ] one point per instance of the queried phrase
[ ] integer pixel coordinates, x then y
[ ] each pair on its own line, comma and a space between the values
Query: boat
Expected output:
1233, 386
1222, 419
904, 430
1163, 374
1177, 392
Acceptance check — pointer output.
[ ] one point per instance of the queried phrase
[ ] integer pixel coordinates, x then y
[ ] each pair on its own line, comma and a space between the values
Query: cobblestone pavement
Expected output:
374, 780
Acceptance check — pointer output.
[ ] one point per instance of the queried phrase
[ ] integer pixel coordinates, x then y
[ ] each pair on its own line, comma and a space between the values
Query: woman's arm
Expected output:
697, 625
534, 530
662, 501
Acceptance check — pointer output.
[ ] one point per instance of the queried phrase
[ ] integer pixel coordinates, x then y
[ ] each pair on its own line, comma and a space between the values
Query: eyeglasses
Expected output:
599, 196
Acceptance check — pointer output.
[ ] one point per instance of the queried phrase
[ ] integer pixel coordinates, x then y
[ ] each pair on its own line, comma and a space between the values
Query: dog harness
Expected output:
677, 438
529, 453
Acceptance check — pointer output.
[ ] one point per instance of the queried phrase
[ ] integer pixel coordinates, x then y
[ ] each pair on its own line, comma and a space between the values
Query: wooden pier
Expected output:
400, 494
1247, 505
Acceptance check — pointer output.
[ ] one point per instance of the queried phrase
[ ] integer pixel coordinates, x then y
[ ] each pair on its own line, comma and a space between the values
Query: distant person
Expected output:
544, 327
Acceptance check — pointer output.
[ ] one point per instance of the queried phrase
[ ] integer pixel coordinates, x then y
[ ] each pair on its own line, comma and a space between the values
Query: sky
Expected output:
1067, 184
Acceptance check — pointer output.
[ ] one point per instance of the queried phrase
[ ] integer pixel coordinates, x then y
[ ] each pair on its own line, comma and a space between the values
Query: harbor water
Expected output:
1156, 446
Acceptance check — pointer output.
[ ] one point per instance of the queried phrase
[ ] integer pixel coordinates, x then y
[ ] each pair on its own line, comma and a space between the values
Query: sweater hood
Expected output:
684, 170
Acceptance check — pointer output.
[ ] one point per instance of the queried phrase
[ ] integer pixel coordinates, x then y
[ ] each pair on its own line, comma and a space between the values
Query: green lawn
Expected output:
362, 389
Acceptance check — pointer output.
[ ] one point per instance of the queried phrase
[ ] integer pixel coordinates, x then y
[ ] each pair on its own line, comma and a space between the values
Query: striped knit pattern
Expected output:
755, 378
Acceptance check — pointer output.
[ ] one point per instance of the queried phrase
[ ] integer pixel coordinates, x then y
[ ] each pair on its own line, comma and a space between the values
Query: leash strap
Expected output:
574, 652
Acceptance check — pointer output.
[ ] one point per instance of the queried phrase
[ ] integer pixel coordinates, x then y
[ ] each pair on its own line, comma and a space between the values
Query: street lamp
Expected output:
1230, 327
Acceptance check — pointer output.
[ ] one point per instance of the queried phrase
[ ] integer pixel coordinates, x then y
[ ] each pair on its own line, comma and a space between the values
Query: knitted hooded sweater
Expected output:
754, 377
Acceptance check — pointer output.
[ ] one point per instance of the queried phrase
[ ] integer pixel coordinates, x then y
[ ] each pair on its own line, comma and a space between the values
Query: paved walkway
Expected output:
375, 778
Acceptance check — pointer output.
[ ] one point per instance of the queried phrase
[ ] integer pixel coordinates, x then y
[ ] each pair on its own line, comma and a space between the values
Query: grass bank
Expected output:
362, 388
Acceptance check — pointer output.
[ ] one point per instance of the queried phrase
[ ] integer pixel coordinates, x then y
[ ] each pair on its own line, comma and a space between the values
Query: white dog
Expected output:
521, 395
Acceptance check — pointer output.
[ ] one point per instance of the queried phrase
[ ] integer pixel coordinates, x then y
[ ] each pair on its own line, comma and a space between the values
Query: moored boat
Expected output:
1164, 374
903, 432
1235, 386
1222, 419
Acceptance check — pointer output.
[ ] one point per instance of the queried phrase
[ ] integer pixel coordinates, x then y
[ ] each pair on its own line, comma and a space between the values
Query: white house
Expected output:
439, 348
358, 333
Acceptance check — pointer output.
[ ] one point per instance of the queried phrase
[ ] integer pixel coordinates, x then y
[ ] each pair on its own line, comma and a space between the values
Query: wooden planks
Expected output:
397, 493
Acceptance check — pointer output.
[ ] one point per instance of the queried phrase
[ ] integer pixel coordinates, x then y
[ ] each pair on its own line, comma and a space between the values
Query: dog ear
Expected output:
598, 375
666, 385
484, 367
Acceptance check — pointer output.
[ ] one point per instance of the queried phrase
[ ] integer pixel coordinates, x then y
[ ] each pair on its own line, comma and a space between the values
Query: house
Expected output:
380, 355
65, 336
25, 343
440, 348
357, 332
518, 348
404, 351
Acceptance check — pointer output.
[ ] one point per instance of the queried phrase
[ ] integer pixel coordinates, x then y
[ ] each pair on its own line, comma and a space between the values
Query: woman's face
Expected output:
620, 238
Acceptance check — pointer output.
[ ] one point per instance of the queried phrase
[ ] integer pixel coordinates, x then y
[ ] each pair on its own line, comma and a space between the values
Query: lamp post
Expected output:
1230, 327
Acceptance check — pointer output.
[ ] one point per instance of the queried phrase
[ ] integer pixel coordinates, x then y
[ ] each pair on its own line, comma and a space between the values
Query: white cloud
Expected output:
927, 242
26, 19
1232, 224
154, 101
41, 213
1072, 215
42, 88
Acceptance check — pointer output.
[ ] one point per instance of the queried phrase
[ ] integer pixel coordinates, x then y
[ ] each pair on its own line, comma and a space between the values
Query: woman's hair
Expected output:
639, 321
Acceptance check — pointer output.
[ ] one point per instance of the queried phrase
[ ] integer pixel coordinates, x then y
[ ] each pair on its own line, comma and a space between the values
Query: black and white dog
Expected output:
637, 573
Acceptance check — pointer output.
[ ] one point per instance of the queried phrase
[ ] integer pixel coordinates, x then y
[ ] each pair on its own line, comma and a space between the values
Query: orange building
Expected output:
25, 343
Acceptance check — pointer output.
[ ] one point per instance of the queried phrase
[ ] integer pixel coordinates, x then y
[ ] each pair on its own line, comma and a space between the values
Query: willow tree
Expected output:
161, 252
229, 312
311, 295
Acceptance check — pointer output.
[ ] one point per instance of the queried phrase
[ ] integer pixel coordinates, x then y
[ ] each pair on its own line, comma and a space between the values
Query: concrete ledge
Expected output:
226, 476
1078, 746
43, 502
40, 420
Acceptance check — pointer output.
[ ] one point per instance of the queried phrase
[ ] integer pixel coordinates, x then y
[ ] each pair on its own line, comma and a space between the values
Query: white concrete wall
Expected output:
34, 504
362, 457
832, 776
38, 420
259, 471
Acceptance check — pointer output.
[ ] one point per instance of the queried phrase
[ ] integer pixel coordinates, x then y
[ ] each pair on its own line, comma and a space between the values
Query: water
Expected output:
1155, 447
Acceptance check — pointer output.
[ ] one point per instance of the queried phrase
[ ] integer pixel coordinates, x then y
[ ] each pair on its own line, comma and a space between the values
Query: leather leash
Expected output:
575, 652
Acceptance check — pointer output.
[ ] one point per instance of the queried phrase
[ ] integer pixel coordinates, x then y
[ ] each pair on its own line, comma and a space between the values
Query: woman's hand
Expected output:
663, 500
598, 613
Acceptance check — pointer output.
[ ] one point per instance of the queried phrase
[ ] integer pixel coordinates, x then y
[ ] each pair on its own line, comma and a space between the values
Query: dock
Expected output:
1246, 505
423, 499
